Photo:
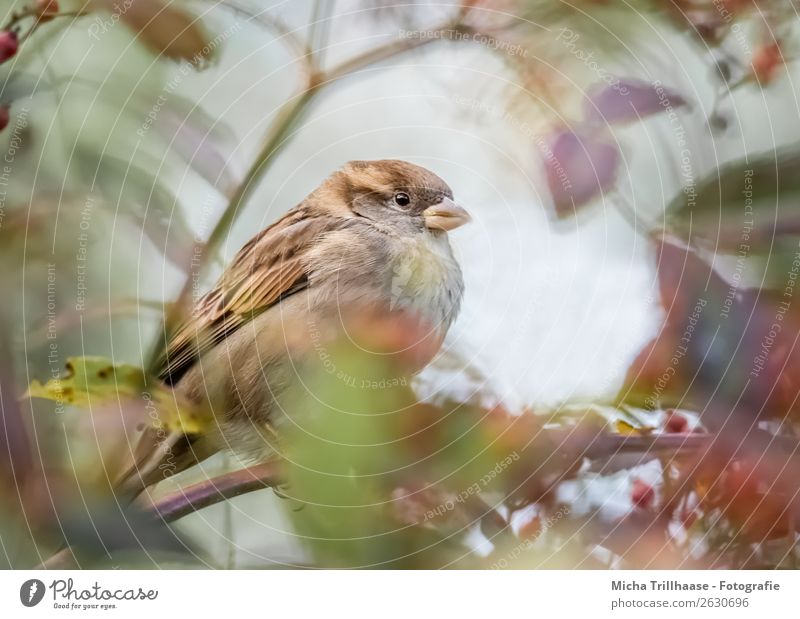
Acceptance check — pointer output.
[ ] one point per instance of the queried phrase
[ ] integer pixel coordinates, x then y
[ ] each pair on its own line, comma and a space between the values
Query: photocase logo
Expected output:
31, 592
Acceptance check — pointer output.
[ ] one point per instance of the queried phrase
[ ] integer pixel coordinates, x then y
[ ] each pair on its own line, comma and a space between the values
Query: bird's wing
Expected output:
270, 267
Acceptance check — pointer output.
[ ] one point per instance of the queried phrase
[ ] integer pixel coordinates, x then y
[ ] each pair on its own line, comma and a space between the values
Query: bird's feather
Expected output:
269, 268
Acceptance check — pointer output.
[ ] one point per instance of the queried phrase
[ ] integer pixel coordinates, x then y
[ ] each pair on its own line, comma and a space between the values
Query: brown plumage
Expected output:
371, 236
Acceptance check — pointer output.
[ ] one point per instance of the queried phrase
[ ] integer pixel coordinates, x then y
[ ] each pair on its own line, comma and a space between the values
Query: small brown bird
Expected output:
372, 236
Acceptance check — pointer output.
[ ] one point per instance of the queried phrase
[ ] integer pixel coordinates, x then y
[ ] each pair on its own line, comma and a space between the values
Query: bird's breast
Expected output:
425, 278
416, 273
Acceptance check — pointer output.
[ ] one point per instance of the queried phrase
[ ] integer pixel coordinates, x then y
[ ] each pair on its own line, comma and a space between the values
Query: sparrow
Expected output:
372, 237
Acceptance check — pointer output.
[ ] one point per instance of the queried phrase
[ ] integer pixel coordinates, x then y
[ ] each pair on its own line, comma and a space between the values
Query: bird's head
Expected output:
398, 193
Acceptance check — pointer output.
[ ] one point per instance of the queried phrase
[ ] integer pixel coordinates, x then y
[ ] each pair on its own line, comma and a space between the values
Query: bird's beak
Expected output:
446, 215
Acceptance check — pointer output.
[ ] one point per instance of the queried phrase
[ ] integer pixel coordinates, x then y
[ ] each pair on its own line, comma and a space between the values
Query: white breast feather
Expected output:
426, 278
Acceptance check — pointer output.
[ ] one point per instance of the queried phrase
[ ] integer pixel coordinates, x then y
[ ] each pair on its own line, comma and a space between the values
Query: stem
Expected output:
190, 499
268, 475
384, 52
207, 493
320, 29
16, 18
316, 14
213, 491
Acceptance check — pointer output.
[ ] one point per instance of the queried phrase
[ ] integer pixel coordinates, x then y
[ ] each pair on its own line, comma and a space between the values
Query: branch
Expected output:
611, 444
190, 499
268, 475
389, 50
14, 20
62, 560
210, 492
322, 16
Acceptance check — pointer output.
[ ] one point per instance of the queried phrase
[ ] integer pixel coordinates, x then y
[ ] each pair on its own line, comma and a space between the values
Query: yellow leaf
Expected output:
626, 429
94, 381
163, 28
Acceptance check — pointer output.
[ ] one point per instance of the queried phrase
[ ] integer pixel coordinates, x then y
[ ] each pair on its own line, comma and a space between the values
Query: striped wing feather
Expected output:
268, 268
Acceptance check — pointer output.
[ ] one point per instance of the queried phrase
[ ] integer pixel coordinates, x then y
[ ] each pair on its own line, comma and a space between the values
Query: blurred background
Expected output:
603, 150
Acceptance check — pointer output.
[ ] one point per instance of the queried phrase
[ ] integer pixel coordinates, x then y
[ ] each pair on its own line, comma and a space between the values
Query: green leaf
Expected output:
142, 197
94, 381
744, 205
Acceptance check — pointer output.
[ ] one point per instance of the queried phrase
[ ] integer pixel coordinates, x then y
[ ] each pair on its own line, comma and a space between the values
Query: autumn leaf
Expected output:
746, 208
163, 28
580, 166
725, 350
748, 202
93, 381
629, 100
626, 429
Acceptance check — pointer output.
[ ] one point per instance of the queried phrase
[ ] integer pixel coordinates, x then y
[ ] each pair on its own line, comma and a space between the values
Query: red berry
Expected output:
8, 44
676, 423
642, 494
5, 116
531, 529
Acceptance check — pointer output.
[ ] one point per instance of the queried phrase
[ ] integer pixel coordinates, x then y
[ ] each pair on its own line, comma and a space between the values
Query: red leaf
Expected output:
579, 167
766, 62
629, 101
723, 349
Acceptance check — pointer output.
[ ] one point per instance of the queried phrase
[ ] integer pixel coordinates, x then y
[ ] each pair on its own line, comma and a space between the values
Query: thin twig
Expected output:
16, 18
321, 27
389, 50
64, 559
314, 23
204, 494
276, 24
611, 444
188, 500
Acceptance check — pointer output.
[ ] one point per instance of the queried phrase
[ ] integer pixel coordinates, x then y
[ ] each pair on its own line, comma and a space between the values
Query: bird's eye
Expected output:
402, 199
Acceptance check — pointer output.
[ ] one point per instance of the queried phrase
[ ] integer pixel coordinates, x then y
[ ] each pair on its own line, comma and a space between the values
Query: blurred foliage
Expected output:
94, 381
